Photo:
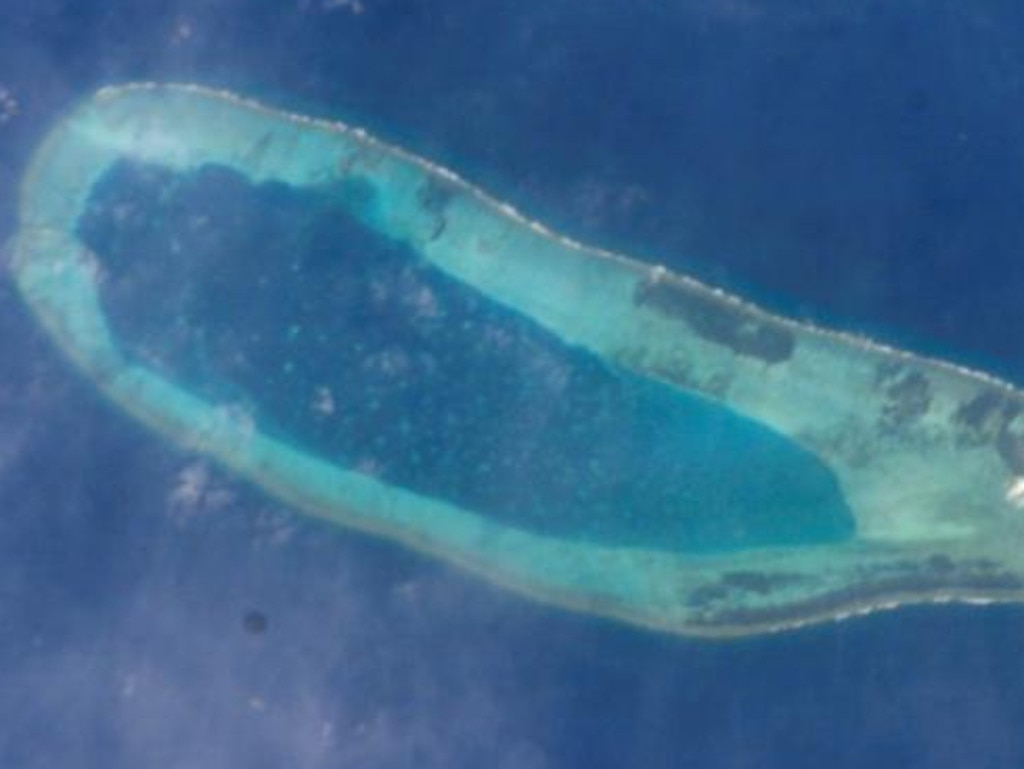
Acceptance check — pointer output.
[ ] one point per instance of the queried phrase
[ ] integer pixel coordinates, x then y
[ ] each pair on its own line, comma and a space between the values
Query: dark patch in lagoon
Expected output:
1011, 449
435, 196
937, 575
758, 582
260, 148
989, 418
732, 582
711, 318
983, 416
907, 393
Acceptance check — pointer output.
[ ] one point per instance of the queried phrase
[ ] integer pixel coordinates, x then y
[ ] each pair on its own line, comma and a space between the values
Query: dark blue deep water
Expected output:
858, 164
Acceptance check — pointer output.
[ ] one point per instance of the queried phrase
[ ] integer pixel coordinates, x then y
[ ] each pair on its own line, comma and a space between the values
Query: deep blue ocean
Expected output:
856, 164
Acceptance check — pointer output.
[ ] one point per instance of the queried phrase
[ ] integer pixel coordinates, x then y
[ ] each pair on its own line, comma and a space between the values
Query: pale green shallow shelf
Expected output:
929, 456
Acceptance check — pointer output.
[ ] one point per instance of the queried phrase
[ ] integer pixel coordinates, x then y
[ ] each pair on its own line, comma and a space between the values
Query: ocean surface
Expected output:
856, 164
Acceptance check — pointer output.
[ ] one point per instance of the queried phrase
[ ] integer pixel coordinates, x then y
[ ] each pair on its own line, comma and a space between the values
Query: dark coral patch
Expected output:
982, 417
434, 196
989, 418
907, 394
716, 319
756, 582
937, 575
